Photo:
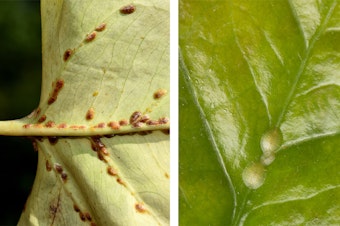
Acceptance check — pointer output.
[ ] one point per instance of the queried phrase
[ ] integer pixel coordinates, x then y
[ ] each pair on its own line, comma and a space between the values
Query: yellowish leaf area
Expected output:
102, 125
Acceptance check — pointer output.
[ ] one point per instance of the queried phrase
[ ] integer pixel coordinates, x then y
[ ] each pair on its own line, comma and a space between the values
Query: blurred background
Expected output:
20, 80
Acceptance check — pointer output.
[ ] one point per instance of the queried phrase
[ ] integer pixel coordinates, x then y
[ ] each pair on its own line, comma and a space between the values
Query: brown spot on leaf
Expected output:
111, 171
90, 114
58, 86
67, 54
128, 9
42, 119
101, 27
167, 175
90, 37
159, 93
95, 93
140, 207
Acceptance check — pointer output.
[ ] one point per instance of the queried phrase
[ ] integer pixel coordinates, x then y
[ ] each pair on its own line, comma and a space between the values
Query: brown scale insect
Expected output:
58, 168
58, 86
101, 156
123, 122
152, 122
42, 119
48, 166
166, 131
114, 125
135, 117
101, 27
76, 208
90, 114
140, 207
128, 9
97, 144
104, 151
159, 93
62, 126
35, 145
111, 171
90, 37
163, 120
67, 54
50, 124
144, 118
64, 176
119, 180
27, 126
82, 216
88, 216
101, 125
53, 140
137, 124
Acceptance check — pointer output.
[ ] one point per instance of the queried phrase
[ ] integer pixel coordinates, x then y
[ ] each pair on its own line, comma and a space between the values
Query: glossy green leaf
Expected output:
102, 124
260, 87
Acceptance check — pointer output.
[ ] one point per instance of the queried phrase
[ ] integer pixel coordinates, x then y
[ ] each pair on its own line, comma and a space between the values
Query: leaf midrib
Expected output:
305, 59
207, 128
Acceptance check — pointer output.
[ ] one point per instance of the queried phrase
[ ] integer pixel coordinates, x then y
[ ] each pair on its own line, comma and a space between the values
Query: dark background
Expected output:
20, 80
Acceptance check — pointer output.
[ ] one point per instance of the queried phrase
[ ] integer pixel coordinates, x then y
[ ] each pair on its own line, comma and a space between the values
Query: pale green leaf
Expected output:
84, 178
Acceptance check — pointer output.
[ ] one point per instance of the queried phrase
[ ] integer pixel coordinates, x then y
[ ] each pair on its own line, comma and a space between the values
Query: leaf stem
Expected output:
21, 128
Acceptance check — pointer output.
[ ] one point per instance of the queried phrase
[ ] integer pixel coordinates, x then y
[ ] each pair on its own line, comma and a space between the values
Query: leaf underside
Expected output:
260, 82
101, 65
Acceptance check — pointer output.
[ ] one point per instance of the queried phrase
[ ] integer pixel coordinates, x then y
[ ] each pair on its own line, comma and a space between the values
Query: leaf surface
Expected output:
263, 76
101, 65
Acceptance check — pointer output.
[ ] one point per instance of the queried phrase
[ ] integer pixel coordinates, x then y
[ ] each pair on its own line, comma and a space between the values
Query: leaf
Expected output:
260, 82
105, 72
